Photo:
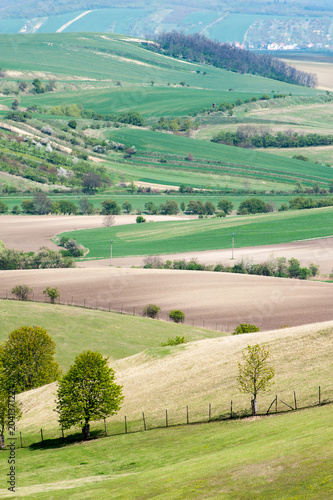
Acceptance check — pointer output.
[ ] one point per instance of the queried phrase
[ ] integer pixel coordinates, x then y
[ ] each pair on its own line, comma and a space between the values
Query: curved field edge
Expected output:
285, 456
75, 329
205, 234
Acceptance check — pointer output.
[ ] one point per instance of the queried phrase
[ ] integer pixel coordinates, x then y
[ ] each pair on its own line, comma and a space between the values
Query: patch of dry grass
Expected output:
205, 372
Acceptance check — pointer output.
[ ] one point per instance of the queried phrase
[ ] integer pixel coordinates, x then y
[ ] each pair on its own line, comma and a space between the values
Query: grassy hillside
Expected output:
75, 329
110, 74
286, 456
186, 236
113, 56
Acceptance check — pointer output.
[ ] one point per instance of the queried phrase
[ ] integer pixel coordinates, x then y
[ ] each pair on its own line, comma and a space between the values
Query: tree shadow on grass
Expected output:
60, 442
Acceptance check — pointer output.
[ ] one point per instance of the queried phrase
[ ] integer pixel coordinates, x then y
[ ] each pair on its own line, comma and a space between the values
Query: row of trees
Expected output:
278, 267
43, 259
266, 139
198, 48
301, 202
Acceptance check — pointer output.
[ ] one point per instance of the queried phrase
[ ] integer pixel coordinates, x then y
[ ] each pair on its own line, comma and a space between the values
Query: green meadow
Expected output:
115, 57
205, 234
275, 458
76, 329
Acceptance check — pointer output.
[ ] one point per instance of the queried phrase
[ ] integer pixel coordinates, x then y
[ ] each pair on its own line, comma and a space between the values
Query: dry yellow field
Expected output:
205, 372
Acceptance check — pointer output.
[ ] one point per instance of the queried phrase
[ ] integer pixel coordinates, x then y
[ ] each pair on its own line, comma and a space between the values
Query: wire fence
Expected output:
164, 419
95, 304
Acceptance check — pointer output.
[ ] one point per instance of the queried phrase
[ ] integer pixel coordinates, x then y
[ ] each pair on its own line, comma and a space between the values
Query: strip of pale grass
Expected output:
206, 234
285, 456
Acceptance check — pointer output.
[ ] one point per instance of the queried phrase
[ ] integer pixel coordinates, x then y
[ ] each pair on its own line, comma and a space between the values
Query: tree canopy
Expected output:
255, 373
87, 392
28, 359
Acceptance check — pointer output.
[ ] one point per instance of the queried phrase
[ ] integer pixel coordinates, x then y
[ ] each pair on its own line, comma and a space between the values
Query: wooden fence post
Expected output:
187, 414
295, 400
209, 412
21, 439
41, 433
230, 409
125, 425
144, 421
319, 397
276, 399
166, 418
106, 432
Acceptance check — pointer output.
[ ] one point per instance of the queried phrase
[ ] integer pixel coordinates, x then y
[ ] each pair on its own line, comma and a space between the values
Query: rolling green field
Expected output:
224, 159
276, 458
206, 234
108, 56
109, 74
149, 100
75, 329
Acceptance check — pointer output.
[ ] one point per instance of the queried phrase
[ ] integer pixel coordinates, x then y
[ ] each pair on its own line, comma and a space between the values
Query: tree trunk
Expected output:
2, 442
86, 431
254, 406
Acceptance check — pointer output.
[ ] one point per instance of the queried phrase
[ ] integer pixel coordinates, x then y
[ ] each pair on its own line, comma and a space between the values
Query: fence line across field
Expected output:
94, 305
182, 420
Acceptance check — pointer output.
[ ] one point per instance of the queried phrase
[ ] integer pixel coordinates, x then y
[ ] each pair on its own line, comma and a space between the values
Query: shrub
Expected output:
176, 341
245, 328
3, 207
177, 316
314, 269
72, 124
151, 311
52, 293
140, 219
21, 292
304, 273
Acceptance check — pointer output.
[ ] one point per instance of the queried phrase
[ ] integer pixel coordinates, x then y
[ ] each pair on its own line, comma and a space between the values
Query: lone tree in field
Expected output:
87, 392
255, 373
27, 358
52, 293
21, 292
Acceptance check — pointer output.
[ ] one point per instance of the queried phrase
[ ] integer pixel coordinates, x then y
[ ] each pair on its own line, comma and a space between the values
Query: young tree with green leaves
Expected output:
21, 292
52, 293
255, 373
27, 358
87, 392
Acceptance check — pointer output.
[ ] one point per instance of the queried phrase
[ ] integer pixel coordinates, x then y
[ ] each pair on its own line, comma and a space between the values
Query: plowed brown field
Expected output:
208, 299
212, 300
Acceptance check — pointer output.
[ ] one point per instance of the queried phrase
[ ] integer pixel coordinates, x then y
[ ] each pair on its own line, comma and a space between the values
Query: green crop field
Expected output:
206, 234
225, 159
150, 101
